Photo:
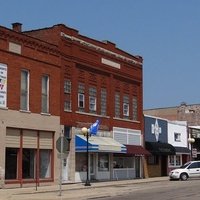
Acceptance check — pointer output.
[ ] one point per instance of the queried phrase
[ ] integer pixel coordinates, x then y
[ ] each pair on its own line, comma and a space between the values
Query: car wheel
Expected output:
183, 176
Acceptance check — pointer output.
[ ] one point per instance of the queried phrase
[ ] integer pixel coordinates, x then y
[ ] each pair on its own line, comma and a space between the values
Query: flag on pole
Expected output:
94, 127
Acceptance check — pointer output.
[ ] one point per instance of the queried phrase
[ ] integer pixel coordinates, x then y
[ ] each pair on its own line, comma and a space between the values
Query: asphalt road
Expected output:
161, 190
170, 190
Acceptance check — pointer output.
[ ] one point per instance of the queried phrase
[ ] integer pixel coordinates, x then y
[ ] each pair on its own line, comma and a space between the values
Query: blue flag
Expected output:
94, 127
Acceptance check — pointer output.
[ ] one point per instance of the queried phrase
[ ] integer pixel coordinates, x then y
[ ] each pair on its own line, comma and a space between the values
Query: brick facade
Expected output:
21, 52
67, 56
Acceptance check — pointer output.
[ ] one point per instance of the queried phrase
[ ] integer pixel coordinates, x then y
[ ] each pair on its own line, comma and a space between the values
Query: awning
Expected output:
98, 144
183, 150
159, 148
137, 150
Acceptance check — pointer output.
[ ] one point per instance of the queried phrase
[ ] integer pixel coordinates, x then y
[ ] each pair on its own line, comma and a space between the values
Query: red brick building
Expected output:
96, 80
29, 111
99, 81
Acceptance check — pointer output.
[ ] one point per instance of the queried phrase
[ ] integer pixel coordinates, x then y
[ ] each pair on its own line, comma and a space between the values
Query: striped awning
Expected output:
98, 144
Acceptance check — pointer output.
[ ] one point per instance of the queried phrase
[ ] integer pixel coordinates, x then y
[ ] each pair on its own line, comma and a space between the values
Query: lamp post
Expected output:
191, 141
85, 131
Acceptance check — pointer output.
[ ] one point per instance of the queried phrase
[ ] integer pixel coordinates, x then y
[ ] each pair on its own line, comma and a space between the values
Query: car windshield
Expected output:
185, 165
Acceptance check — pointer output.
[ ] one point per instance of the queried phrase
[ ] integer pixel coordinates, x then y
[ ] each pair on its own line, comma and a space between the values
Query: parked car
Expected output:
188, 170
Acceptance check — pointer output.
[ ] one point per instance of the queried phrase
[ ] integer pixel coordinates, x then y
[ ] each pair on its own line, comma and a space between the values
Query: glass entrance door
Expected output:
137, 167
92, 166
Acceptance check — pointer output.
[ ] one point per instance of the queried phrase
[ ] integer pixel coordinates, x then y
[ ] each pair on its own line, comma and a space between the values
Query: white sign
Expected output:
156, 130
110, 63
3, 85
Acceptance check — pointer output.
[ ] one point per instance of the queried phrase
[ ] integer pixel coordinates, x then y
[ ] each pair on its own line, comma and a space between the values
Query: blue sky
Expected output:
165, 33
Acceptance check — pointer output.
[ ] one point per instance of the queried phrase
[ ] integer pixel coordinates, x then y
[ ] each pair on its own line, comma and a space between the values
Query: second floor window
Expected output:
92, 100
103, 101
177, 137
67, 86
117, 105
67, 95
45, 94
81, 101
24, 91
81, 97
135, 108
126, 106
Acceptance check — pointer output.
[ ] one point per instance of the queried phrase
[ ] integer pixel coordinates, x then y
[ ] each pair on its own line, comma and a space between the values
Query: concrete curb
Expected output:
81, 186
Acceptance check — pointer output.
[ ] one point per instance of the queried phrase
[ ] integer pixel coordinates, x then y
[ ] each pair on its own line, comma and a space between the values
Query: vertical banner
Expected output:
3, 85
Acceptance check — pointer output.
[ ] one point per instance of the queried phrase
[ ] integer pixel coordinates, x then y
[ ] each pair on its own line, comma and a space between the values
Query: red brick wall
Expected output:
76, 57
37, 57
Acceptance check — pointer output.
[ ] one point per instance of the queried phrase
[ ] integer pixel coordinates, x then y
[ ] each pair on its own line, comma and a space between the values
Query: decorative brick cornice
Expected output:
98, 48
28, 41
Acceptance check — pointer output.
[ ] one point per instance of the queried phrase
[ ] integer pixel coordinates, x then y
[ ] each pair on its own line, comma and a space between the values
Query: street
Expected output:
171, 190
160, 190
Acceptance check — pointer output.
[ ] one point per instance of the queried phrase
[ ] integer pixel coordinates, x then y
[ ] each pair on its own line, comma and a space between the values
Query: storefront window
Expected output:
103, 162
123, 162
11, 163
45, 163
175, 161
171, 160
81, 162
28, 163
153, 160
21, 162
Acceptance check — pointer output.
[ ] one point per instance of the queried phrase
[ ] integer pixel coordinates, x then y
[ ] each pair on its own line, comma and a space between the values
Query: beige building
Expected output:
184, 112
22, 135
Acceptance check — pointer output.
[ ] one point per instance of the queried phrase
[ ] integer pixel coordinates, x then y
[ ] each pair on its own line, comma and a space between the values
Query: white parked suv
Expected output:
188, 170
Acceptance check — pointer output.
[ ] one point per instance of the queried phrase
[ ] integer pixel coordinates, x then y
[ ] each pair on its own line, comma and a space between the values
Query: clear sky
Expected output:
166, 33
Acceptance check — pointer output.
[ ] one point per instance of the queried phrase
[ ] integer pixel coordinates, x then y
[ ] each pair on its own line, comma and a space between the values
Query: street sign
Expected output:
65, 144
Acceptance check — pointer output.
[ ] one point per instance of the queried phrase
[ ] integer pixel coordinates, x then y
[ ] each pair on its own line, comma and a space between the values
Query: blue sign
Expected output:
155, 129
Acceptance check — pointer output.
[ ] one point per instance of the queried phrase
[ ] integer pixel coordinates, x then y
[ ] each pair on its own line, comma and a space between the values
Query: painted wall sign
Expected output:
155, 129
3, 85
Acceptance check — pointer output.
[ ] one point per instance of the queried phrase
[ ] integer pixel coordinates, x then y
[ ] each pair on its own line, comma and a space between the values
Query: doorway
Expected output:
164, 165
137, 167
92, 166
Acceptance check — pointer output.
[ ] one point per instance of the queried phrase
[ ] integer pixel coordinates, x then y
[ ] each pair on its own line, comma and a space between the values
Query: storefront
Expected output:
181, 157
29, 155
129, 165
101, 150
28, 152
158, 161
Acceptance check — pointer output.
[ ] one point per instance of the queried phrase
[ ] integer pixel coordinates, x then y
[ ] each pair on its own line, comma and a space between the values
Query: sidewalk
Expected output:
68, 191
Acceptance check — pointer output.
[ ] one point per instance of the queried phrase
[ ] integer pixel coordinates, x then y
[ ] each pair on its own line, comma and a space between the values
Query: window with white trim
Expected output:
126, 106
67, 95
177, 137
24, 91
92, 100
81, 97
175, 160
45, 94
